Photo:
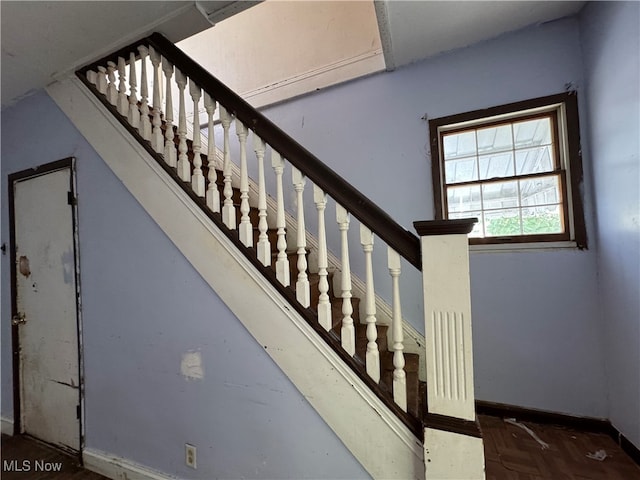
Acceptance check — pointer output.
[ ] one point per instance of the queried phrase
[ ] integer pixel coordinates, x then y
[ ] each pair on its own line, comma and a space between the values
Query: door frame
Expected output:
13, 178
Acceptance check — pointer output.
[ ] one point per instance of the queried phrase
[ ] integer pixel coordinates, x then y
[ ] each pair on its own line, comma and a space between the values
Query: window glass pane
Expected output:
462, 170
463, 199
459, 145
477, 228
495, 139
501, 223
540, 220
500, 195
531, 133
534, 160
540, 191
496, 165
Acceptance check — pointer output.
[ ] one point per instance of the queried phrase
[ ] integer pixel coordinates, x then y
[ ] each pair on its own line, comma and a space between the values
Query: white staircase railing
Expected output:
442, 253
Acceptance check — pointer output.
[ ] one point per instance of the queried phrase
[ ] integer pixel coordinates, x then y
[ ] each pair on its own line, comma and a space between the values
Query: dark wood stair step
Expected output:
336, 312
314, 282
414, 401
272, 235
361, 339
411, 361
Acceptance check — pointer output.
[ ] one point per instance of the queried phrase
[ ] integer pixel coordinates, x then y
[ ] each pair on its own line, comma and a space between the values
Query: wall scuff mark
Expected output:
23, 266
191, 366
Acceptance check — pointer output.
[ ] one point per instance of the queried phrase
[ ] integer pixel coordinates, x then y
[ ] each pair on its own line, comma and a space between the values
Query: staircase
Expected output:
415, 389
425, 385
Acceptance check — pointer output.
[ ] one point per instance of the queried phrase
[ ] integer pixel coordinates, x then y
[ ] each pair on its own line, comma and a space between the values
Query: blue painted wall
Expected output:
535, 315
611, 46
144, 307
546, 323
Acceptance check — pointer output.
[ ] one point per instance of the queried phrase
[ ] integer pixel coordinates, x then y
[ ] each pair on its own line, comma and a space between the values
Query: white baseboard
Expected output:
118, 468
7, 426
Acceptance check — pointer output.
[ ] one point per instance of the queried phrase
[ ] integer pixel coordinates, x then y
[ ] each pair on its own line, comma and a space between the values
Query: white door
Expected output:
46, 309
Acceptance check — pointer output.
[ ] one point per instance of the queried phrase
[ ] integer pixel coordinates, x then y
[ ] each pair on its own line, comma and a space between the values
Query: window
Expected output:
517, 168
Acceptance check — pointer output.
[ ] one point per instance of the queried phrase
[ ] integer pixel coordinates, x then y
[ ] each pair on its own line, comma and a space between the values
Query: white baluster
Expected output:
228, 210
170, 155
157, 142
133, 114
92, 77
282, 263
123, 101
112, 91
372, 355
263, 247
145, 130
324, 305
399, 376
184, 168
302, 284
213, 197
245, 230
101, 81
197, 181
347, 333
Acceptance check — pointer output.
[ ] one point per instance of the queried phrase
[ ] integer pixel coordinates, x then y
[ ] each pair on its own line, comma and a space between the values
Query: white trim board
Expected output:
7, 426
375, 436
118, 468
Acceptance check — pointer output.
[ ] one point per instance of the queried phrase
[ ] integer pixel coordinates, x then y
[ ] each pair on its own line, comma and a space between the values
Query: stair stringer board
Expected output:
375, 436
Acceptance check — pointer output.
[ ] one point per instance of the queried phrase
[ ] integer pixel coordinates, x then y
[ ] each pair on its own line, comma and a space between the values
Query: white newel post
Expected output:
449, 353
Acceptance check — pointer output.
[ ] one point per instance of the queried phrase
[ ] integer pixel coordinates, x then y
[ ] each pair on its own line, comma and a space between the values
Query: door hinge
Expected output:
71, 199
19, 319
78, 412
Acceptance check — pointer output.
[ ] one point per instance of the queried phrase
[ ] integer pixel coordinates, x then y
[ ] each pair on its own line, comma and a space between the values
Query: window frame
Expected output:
564, 107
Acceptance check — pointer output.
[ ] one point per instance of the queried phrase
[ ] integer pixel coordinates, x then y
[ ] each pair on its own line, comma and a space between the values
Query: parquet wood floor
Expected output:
512, 454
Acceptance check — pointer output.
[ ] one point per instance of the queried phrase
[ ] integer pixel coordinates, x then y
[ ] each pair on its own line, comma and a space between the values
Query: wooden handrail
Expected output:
401, 240
445, 227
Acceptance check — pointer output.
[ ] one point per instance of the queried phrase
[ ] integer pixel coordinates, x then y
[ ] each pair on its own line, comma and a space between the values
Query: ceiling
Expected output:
413, 30
45, 40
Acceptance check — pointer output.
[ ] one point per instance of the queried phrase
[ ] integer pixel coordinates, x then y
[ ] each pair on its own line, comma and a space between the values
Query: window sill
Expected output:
523, 247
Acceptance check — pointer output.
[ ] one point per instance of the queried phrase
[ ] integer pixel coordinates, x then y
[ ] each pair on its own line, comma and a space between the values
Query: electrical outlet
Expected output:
190, 455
